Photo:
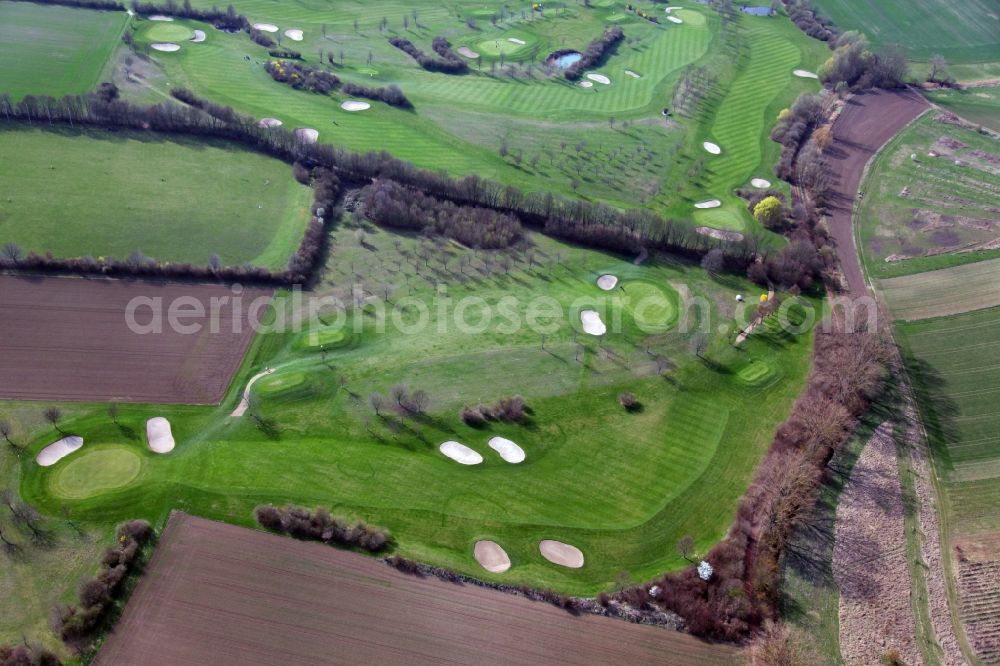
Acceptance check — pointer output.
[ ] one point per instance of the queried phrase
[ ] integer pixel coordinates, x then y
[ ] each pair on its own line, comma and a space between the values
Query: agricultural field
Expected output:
943, 292
208, 565
68, 49
977, 105
963, 32
930, 200
78, 193
950, 360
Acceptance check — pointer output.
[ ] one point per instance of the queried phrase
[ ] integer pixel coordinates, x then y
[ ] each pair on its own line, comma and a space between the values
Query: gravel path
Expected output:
869, 559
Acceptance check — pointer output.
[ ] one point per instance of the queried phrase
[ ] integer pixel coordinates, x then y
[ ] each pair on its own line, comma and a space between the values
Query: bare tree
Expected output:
53, 415
685, 546
399, 393
12, 252
113, 412
418, 402
377, 402
713, 261
6, 430
699, 343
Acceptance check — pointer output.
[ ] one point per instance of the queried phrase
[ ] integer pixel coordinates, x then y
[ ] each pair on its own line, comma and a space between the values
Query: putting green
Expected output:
280, 383
756, 372
720, 218
498, 46
168, 32
691, 17
330, 338
653, 307
614, 18
96, 472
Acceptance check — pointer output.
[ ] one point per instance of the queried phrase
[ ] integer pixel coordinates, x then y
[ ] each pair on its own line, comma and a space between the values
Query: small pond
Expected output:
564, 59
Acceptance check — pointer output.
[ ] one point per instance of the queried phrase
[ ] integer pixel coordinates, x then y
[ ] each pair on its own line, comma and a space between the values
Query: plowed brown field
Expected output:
220, 594
68, 339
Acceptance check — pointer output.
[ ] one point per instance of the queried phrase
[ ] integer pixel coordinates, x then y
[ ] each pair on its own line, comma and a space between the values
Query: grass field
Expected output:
977, 105
54, 50
920, 211
963, 32
947, 291
621, 486
76, 193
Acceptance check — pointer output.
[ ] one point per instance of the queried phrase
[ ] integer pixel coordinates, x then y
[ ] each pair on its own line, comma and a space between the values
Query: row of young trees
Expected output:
390, 204
854, 65
512, 409
849, 369
804, 15
595, 53
445, 65
320, 525
75, 624
303, 77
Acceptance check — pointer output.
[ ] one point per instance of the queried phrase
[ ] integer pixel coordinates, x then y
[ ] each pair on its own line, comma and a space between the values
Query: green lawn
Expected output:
622, 486
76, 193
54, 50
963, 32
922, 212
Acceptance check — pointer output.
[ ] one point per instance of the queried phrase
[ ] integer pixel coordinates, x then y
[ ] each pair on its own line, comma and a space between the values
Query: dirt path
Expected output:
866, 124
244, 405
869, 559
745, 333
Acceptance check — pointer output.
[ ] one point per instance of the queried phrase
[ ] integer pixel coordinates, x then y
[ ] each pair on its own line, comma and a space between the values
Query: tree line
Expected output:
320, 525
448, 63
595, 53
76, 623
303, 77
390, 204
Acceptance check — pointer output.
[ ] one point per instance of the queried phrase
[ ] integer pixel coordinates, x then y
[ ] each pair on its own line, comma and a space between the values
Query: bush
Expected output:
27, 655
629, 402
391, 95
595, 52
450, 63
319, 525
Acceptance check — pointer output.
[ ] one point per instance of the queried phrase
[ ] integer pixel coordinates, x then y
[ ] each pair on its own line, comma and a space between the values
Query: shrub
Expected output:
450, 63
769, 213
319, 525
629, 401
595, 52
27, 655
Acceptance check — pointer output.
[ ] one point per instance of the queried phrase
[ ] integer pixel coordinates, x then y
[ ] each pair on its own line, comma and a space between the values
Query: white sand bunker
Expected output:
561, 553
507, 449
805, 74
460, 453
760, 183
160, 17
161, 439
306, 135
607, 282
491, 556
165, 46
244, 405
266, 27
586, 84
711, 203
711, 147
294, 34
629, 72
199, 36
58, 450
467, 52
354, 105
515, 40
269, 122
599, 78
720, 234
592, 323
670, 9
674, 19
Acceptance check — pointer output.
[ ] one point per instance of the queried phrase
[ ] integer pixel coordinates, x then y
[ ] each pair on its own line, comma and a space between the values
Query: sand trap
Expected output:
629, 72
166, 46
507, 449
711, 203
160, 17
515, 40
354, 105
670, 9
586, 84
805, 74
711, 147
244, 405
599, 78
306, 135
674, 19
460, 453
592, 323
467, 52
269, 122
720, 234
199, 36
58, 450
294, 34
491, 556
266, 27
561, 553
760, 183
161, 439
607, 282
